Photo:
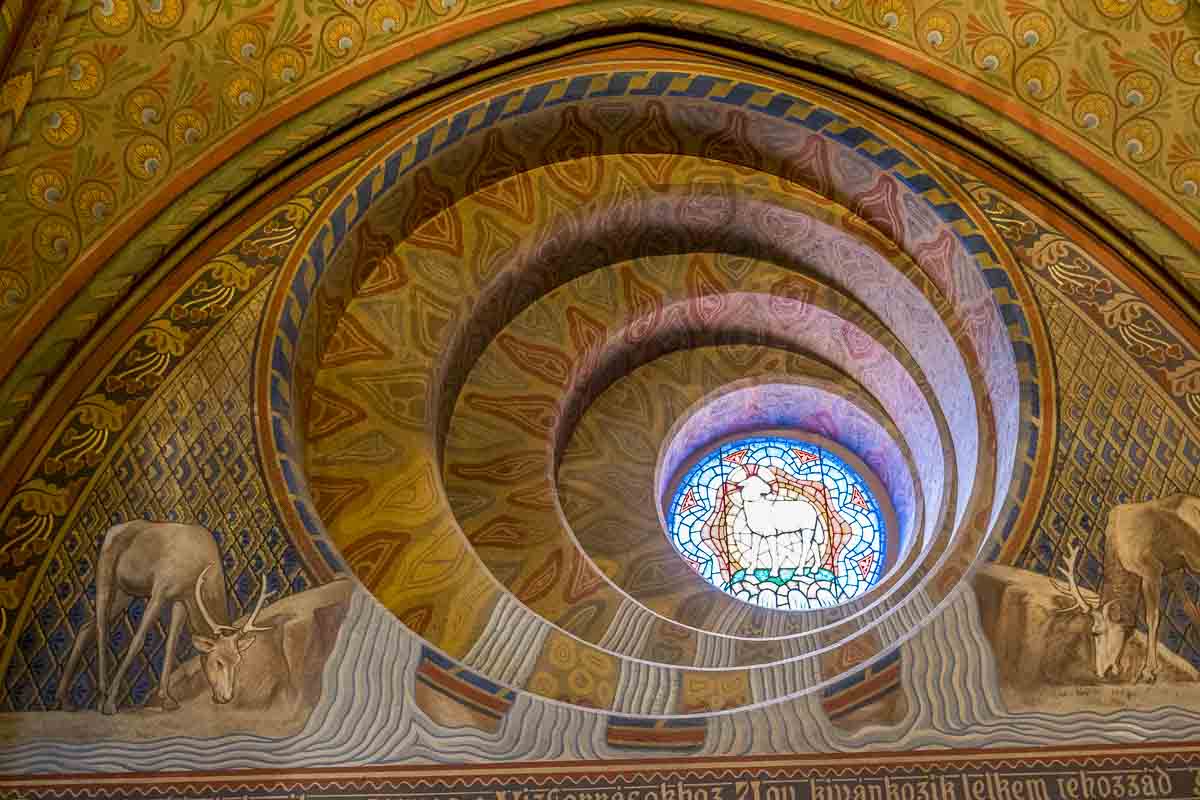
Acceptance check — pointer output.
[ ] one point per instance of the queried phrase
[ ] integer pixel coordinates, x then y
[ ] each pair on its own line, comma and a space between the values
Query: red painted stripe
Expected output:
650, 737
456, 685
878, 683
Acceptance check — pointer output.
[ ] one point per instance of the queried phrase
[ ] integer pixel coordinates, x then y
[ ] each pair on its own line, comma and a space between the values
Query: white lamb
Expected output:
775, 521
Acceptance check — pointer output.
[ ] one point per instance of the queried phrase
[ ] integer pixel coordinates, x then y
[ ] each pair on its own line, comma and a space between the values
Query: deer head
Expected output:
221, 654
1108, 635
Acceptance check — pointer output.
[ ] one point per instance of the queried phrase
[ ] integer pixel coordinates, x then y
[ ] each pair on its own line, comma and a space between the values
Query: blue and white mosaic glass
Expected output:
780, 523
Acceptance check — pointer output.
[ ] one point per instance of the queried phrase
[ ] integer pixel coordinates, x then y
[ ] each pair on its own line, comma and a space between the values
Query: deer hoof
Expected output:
1147, 676
108, 707
64, 702
168, 703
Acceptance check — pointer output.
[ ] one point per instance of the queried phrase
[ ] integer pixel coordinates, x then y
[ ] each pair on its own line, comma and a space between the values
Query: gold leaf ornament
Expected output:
285, 65
97, 411
113, 17
47, 188
1094, 111
162, 14
230, 271
892, 15
543, 683
1115, 9
165, 337
992, 54
1185, 61
12, 591
1186, 179
447, 8
1165, 12
245, 42
144, 107
85, 75
1138, 90
1034, 30
1185, 379
342, 36
42, 498
1139, 140
385, 17
562, 653
62, 124
1037, 79
187, 127
938, 31
94, 202
15, 93
14, 291
55, 239
243, 94
146, 158
1123, 308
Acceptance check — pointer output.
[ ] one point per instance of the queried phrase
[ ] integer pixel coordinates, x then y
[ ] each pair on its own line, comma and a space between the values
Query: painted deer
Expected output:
1144, 543
167, 563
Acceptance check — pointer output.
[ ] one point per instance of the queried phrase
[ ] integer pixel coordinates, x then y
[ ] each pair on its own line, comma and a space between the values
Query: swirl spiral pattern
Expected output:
529, 309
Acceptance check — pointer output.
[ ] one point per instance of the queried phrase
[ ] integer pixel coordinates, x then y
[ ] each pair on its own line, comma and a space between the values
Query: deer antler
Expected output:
1068, 572
249, 626
212, 623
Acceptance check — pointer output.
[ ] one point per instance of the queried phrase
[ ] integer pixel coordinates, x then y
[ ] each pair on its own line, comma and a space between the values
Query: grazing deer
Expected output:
1146, 541
166, 563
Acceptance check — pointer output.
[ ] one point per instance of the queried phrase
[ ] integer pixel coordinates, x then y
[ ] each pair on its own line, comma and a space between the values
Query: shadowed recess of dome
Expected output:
780, 523
555, 345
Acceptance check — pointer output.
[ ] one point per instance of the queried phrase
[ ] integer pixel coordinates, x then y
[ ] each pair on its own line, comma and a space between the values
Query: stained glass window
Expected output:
780, 523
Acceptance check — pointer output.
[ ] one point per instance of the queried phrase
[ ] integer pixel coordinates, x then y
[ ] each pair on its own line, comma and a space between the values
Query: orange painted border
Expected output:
449, 680
888, 675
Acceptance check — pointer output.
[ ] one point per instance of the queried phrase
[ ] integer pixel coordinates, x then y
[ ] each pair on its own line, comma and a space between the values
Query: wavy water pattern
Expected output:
368, 716
509, 645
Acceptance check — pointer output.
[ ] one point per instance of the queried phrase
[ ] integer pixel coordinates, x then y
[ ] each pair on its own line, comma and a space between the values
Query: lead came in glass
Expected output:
780, 523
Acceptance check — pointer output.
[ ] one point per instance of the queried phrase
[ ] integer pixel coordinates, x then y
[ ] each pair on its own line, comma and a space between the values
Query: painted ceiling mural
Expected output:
415, 381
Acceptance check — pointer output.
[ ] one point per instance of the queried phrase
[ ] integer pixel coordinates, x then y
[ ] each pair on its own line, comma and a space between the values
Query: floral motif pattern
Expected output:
1122, 76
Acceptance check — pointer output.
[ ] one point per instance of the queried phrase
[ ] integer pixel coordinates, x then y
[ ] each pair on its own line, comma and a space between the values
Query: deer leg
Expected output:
115, 608
297, 639
1151, 586
153, 609
100, 624
82, 640
178, 613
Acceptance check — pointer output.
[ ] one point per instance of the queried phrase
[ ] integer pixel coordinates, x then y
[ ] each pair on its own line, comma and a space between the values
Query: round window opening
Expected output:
779, 522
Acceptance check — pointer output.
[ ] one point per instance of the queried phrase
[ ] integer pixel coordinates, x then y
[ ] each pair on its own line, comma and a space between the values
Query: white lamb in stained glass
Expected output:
778, 522
789, 531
